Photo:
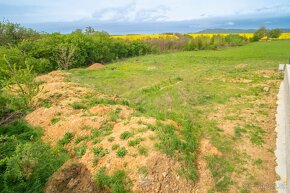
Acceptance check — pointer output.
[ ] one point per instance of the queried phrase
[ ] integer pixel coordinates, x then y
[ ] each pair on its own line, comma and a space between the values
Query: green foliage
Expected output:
126, 135
81, 138
263, 32
20, 81
259, 34
256, 134
77, 105
221, 169
25, 162
258, 162
12, 34
81, 150
121, 152
117, 183
82, 49
66, 138
239, 131
274, 33
111, 139
99, 151
135, 142
143, 170
215, 42
54, 120
143, 150
14, 134
115, 146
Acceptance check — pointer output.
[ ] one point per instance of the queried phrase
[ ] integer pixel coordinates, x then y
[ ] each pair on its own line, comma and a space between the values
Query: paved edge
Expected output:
280, 152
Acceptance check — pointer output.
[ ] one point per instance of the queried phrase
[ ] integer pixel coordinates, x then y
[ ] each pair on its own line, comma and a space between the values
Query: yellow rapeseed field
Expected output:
283, 36
146, 36
246, 35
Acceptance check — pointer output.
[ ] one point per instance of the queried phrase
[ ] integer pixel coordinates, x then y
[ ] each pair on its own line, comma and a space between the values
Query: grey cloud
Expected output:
132, 14
157, 14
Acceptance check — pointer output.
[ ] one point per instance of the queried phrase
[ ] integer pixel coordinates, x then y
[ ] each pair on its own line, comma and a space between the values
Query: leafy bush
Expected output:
215, 42
274, 33
126, 135
20, 81
12, 34
81, 49
28, 169
121, 152
259, 34
25, 162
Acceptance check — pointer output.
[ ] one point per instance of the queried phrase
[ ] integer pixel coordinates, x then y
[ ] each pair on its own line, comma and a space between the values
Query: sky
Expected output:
32, 12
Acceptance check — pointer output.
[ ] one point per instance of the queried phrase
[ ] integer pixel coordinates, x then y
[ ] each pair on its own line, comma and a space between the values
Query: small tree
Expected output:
259, 34
65, 56
20, 81
274, 33
89, 30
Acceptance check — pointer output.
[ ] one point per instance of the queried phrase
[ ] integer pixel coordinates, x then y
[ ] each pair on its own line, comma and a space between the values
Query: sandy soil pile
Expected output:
96, 66
123, 131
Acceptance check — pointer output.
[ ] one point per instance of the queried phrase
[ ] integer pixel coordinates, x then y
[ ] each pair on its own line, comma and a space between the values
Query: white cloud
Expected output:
137, 10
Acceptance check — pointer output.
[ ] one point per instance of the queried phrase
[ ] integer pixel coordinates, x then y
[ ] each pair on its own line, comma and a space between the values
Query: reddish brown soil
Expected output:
162, 173
96, 66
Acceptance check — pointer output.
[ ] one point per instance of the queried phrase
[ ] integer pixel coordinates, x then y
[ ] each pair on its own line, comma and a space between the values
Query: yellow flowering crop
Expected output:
146, 36
283, 36
246, 35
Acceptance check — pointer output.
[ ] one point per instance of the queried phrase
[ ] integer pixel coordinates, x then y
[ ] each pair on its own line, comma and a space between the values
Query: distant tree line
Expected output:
24, 53
263, 32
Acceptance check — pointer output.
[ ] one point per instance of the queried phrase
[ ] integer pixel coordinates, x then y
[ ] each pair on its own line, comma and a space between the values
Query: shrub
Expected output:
115, 146
259, 34
12, 33
25, 162
274, 33
126, 135
135, 142
28, 169
121, 152
20, 81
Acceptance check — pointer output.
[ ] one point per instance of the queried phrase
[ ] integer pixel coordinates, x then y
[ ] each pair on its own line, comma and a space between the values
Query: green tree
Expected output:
20, 81
259, 34
274, 33
12, 33
65, 56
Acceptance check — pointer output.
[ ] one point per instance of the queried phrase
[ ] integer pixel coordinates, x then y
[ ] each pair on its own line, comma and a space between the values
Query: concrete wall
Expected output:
287, 122
283, 134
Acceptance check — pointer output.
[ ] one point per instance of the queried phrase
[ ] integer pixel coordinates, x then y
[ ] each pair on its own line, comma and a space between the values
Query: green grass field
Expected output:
189, 86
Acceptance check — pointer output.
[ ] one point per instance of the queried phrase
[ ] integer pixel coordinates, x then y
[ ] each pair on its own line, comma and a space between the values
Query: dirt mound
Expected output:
162, 177
55, 76
102, 134
96, 66
71, 177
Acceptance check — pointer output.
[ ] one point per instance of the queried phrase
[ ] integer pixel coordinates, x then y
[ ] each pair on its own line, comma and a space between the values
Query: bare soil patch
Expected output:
102, 136
257, 172
96, 66
72, 177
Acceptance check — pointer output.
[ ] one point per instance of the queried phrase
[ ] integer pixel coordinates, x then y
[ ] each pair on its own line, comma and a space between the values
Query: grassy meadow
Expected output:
188, 112
209, 89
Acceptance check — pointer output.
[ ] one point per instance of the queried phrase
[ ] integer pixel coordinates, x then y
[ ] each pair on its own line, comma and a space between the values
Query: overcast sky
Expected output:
39, 11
